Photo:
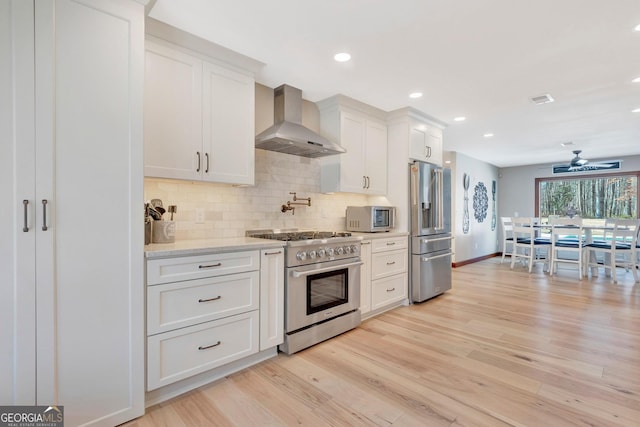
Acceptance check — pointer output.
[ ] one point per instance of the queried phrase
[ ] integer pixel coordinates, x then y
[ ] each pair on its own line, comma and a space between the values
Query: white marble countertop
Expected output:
383, 235
206, 246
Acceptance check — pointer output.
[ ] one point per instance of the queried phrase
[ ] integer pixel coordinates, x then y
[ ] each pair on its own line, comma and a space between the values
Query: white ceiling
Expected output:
482, 59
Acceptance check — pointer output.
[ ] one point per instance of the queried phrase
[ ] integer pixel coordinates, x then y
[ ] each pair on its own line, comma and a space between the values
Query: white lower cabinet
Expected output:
182, 353
206, 311
384, 277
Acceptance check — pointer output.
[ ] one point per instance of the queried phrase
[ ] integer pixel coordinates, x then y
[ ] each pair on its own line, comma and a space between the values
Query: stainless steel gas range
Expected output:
322, 285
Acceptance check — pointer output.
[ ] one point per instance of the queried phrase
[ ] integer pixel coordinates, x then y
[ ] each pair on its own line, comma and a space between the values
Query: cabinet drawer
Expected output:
177, 305
197, 267
388, 291
386, 264
179, 354
390, 244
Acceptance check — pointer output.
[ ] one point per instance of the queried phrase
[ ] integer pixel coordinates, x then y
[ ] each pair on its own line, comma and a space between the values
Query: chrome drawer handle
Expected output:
205, 347
210, 265
391, 263
273, 253
25, 203
391, 243
391, 290
210, 299
44, 215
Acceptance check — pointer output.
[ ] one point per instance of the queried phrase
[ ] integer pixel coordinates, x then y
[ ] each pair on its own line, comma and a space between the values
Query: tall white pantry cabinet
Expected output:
71, 179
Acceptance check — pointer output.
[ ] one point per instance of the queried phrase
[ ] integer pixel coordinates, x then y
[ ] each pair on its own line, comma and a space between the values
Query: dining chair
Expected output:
507, 236
567, 238
620, 251
524, 238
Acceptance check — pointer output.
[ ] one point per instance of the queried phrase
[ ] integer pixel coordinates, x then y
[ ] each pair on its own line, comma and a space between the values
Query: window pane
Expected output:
597, 197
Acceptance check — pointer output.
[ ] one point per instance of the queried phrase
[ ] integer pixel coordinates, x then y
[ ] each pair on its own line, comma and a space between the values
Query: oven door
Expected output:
321, 291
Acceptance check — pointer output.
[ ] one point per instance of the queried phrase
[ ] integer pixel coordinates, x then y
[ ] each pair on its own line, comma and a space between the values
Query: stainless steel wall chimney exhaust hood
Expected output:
288, 135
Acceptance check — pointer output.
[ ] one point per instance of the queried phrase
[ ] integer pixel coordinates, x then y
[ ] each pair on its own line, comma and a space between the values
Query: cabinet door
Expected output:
17, 184
271, 298
418, 148
353, 139
172, 114
376, 158
89, 272
228, 126
434, 142
365, 277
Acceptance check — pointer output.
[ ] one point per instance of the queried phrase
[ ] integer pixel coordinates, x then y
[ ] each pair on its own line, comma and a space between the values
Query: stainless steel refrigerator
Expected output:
430, 219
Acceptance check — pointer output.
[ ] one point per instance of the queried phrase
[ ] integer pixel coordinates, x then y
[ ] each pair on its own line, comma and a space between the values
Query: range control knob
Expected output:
339, 251
301, 256
347, 250
312, 254
354, 249
330, 252
321, 253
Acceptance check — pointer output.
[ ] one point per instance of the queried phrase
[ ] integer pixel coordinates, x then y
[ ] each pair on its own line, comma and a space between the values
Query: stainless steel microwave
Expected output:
371, 219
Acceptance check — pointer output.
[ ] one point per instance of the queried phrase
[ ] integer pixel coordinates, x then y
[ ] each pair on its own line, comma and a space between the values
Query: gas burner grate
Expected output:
301, 235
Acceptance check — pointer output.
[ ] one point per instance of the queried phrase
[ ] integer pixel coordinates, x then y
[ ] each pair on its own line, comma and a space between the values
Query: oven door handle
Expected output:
431, 258
323, 270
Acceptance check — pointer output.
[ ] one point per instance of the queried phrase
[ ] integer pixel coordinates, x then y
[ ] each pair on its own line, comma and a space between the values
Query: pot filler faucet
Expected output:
288, 207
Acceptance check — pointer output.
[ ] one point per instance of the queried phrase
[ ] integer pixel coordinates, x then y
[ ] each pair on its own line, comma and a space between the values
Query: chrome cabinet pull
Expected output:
273, 253
391, 243
44, 215
205, 347
391, 290
364, 181
206, 155
210, 299
210, 265
391, 263
25, 203
198, 169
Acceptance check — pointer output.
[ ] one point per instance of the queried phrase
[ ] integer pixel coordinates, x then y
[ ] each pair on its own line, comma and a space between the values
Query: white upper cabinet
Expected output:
362, 131
199, 119
172, 113
422, 133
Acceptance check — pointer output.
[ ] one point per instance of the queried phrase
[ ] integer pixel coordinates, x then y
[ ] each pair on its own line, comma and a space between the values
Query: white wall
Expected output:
480, 240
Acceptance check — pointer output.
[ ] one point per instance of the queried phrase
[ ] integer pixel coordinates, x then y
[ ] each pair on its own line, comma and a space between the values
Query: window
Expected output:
591, 197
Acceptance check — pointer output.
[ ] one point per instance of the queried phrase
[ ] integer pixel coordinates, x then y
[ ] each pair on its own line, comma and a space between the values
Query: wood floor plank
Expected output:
502, 348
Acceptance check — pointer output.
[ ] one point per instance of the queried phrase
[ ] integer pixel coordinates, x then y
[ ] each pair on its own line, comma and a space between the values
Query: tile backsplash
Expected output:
230, 210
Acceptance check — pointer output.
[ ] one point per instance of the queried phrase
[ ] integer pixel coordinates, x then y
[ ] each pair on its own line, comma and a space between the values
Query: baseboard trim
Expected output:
472, 260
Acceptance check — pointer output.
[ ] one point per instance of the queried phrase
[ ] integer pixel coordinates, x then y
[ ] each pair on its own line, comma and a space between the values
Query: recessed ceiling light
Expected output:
342, 57
566, 144
637, 27
460, 119
636, 80
488, 135
636, 110
415, 95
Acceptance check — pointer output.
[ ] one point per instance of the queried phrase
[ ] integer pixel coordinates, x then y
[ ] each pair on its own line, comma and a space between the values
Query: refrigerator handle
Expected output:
414, 185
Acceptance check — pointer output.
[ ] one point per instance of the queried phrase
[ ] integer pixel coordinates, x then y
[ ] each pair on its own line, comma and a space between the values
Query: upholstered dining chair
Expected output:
507, 236
620, 251
562, 244
524, 238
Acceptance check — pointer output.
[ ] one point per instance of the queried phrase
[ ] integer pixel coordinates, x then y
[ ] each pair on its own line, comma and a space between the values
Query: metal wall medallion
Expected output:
480, 202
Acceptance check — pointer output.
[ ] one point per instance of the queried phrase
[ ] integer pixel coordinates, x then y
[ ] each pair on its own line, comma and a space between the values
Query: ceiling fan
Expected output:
578, 164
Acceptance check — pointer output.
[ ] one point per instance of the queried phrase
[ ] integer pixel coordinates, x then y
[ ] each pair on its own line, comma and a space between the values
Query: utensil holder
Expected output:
164, 231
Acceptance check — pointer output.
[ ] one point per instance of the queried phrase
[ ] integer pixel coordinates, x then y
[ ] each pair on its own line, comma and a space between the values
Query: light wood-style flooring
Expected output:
502, 348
